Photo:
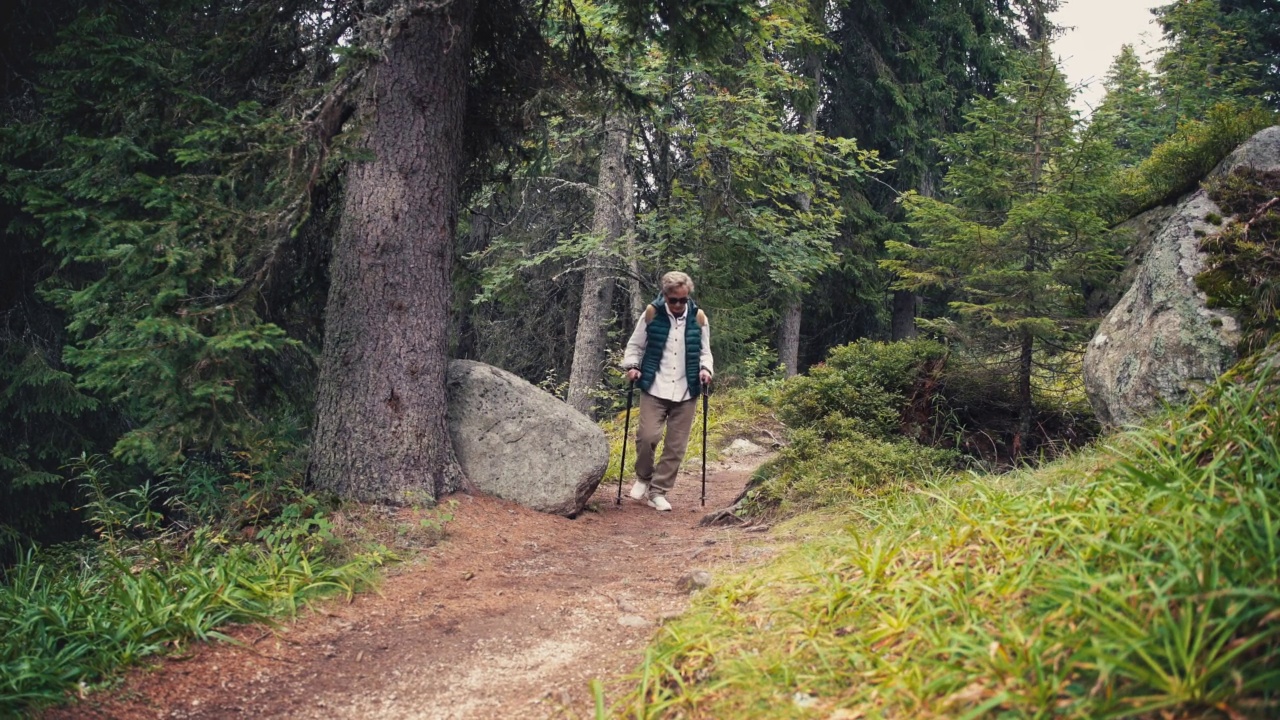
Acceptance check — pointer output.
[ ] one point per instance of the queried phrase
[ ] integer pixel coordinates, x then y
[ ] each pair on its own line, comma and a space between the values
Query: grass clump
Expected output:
1134, 581
73, 615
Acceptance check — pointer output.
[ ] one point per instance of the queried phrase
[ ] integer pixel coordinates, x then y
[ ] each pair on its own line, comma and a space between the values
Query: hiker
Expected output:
669, 355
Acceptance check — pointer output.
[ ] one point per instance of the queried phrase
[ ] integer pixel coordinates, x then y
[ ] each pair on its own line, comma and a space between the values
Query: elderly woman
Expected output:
669, 355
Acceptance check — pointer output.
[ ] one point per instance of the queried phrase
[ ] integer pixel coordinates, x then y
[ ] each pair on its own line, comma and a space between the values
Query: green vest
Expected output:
656, 342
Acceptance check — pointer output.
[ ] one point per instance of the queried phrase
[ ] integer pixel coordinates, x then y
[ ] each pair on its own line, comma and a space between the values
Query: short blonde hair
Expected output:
675, 279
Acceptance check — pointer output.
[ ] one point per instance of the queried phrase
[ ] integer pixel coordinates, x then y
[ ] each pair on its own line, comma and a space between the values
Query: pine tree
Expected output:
897, 78
1018, 228
1218, 52
1132, 112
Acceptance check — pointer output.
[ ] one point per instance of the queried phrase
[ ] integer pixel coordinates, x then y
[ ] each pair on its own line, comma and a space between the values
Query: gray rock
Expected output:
1137, 233
634, 621
518, 442
1160, 343
695, 580
742, 448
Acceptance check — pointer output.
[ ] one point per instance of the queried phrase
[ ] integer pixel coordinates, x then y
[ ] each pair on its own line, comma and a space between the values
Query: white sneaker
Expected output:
639, 490
659, 503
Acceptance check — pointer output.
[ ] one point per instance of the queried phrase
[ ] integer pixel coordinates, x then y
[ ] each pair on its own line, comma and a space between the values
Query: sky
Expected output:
1100, 28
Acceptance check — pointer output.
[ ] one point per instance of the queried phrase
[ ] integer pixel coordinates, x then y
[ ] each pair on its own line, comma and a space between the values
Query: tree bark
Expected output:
610, 220
904, 315
789, 337
381, 433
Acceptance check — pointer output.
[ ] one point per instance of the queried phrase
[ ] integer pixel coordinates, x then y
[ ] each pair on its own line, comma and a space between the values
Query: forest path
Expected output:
510, 616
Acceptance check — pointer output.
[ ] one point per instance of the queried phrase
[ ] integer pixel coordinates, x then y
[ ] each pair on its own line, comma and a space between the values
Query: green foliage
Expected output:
156, 236
896, 76
155, 184
850, 426
1132, 114
1218, 52
865, 387
76, 616
835, 466
1179, 163
41, 412
1243, 264
1136, 581
1020, 231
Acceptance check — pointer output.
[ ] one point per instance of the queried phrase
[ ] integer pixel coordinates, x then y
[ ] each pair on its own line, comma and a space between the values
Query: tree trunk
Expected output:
381, 433
904, 315
789, 331
634, 286
610, 220
789, 337
1026, 409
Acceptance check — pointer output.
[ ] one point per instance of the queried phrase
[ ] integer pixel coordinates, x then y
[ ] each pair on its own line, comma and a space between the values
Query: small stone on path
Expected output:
695, 580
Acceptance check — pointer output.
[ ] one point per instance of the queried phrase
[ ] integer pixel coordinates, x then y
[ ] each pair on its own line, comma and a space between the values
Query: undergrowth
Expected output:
74, 615
1137, 580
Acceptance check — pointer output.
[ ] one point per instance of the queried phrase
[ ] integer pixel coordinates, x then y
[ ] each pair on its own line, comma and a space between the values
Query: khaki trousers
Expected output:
677, 416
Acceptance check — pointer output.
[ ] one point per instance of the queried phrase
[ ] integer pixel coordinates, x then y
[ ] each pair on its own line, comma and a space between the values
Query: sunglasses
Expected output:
678, 301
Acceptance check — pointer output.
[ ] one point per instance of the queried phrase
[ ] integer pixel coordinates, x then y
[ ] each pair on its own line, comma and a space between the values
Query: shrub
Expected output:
815, 471
865, 387
1179, 163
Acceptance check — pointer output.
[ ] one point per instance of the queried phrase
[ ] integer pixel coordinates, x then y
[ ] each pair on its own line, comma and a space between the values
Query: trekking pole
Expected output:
626, 430
705, 392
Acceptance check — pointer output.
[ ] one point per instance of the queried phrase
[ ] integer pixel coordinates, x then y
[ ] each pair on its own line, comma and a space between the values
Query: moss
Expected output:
1243, 268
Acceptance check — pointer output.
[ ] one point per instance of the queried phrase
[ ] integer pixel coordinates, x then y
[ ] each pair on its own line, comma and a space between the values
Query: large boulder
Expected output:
518, 442
1160, 343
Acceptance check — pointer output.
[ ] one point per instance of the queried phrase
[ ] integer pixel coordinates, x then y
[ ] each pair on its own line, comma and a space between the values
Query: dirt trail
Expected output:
511, 616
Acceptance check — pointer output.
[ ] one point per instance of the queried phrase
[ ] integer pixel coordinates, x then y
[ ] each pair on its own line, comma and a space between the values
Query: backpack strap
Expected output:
650, 312
702, 319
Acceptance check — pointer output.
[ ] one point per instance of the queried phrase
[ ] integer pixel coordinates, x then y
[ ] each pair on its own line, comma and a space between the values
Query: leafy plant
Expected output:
865, 386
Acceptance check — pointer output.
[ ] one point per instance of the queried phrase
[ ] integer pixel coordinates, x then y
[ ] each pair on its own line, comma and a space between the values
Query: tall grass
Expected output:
71, 617
1140, 580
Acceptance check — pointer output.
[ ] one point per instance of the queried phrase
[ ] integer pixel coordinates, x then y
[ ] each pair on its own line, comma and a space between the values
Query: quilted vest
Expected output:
656, 342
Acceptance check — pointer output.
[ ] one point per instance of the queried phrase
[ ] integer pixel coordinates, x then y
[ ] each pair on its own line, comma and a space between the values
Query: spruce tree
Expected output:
1018, 229
1132, 112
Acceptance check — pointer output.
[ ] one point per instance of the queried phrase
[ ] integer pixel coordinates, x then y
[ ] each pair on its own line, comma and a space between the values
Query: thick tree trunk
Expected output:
610, 220
904, 315
789, 337
381, 433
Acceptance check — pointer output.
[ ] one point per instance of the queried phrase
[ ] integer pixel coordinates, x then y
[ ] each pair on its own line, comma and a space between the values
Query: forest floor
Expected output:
511, 615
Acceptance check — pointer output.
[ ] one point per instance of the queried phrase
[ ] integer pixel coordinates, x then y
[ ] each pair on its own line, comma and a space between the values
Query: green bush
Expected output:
1178, 164
865, 387
818, 471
